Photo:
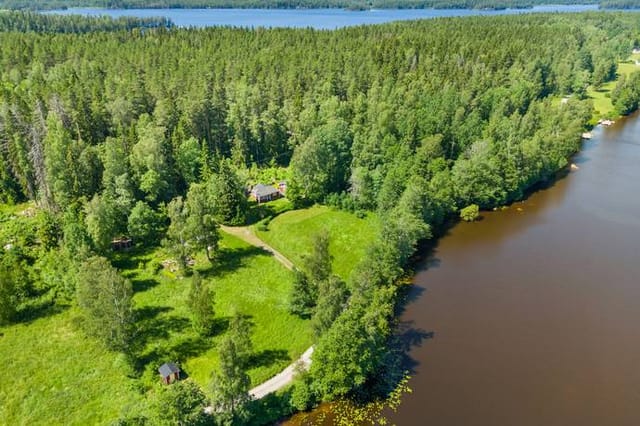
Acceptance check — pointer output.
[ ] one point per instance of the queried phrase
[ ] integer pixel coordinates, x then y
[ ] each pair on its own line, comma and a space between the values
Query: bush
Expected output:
470, 213
302, 397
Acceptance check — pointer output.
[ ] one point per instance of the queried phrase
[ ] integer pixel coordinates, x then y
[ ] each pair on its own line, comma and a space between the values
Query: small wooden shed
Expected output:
169, 372
122, 243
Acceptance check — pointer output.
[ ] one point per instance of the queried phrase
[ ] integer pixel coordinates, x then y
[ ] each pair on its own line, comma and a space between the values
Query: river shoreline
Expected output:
438, 281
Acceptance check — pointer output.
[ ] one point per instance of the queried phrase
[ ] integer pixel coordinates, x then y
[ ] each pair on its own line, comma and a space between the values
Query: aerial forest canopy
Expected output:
24, 21
154, 133
349, 110
293, 4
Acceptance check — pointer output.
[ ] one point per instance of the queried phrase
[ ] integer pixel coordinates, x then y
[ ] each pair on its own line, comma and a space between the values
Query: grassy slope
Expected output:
245, 279
601, 97
57, 375
291, 233
54, 375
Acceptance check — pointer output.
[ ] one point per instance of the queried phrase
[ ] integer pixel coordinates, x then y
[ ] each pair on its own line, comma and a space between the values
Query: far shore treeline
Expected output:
307, 4
152, 133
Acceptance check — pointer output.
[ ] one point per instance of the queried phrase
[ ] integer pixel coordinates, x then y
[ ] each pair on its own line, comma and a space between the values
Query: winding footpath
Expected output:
285, 377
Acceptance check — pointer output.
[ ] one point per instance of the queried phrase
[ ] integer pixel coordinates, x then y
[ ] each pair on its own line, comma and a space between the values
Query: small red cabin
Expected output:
169, 372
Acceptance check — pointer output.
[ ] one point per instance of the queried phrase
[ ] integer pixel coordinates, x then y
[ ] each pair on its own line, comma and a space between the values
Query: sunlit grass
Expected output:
601, 97
54, 374
291, 233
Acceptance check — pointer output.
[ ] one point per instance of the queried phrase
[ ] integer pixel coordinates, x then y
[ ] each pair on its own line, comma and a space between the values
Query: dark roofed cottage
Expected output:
169, 372
262, 193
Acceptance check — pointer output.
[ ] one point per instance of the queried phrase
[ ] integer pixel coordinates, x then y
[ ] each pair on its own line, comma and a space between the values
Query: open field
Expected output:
291, 234
55, 375
601, 97
58, 375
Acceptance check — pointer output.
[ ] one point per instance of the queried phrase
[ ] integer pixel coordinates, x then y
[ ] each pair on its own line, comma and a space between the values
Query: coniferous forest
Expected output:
154, 132
293, 4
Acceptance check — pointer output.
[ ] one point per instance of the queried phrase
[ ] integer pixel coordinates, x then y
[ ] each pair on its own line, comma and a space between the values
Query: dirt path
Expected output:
285, 377
246, 234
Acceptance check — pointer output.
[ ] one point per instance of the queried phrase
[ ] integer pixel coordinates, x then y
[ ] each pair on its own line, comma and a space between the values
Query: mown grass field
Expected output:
54, 374
292, 232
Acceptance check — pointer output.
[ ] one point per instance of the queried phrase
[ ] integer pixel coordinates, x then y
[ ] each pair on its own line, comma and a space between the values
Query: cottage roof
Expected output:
168, 369
261, 190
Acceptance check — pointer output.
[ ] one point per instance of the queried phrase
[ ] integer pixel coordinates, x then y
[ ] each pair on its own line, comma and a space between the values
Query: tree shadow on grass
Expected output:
267, 358
37, 310
220, 325
131, 260
179, 351
230, 259
150, 327
140, 286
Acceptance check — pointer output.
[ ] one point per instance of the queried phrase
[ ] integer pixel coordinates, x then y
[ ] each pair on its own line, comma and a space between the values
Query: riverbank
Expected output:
539, 295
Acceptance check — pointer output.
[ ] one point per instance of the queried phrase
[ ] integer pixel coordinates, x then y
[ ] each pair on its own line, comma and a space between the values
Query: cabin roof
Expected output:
168, 369
261, 190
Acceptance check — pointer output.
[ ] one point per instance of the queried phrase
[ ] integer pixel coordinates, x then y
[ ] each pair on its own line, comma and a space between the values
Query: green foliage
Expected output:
227, 196
240, 333
201, 229
177, 237
100, 221
9, 297
230, 384
354, 347
317, 269
320, 165
288, 4
332, 298
201, 304
25, 21
470, 213
181, 403
303, 295
302, 397
145, 225
193, 226
626, 95
150, 162
105, 298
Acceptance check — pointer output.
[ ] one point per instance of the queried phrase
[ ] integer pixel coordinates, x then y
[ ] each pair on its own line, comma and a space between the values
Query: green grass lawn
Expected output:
601, 97
56, 375
245, 279
291, 233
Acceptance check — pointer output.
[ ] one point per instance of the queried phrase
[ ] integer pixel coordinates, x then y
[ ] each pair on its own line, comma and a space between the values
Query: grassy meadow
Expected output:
57, 375
601, 97
291, 233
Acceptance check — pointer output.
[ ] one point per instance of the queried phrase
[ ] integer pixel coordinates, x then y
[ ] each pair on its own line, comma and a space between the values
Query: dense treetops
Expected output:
156, 132
292, 4
42, 23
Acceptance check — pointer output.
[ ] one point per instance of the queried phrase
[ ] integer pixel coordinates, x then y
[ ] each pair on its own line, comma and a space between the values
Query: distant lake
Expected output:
315, 18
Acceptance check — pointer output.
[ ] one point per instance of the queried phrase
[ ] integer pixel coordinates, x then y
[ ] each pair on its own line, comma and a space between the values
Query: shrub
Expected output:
470, 213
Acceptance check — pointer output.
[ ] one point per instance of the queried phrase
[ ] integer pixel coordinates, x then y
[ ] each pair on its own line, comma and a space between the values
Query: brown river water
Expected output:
535, 310
531, 316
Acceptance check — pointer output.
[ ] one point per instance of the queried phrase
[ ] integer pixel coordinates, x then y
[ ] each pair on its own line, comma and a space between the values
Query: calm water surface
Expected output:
315, 18
535, 310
